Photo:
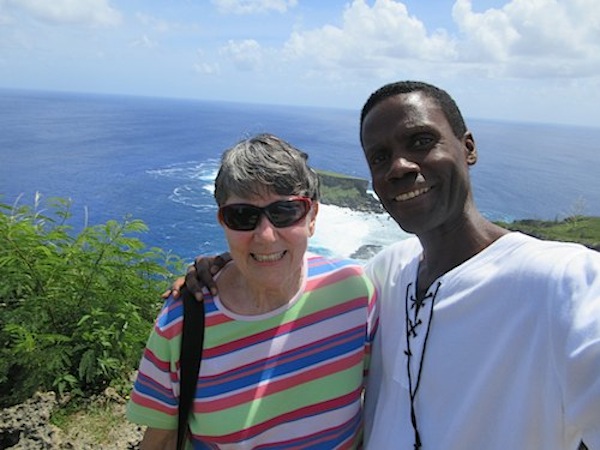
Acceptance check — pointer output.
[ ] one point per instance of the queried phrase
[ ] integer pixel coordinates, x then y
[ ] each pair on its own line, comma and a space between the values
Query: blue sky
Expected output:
518, 60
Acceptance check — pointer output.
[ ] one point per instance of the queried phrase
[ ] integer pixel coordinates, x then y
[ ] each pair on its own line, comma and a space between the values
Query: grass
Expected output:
582, 229
338, 175
92, 422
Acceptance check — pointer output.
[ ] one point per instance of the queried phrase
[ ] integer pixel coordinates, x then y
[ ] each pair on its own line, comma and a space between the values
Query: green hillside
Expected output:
582, 229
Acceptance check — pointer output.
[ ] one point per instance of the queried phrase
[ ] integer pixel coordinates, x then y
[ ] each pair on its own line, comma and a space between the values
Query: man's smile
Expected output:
412, 194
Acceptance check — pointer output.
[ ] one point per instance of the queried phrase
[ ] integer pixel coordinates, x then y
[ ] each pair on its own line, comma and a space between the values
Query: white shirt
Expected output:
513, 354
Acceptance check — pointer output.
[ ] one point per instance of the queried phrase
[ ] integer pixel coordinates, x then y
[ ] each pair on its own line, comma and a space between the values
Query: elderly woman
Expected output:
287, 337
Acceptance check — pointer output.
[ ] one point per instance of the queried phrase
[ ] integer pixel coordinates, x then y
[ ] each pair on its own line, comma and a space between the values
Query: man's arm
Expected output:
158, 439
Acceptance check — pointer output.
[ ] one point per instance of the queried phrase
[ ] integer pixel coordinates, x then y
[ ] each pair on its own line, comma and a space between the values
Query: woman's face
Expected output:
270, 257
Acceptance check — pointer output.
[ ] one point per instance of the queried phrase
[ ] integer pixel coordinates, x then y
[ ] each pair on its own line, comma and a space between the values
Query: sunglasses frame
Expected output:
264, 211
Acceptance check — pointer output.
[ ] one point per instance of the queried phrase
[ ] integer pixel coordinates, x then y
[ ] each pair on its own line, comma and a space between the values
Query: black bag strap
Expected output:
192, 340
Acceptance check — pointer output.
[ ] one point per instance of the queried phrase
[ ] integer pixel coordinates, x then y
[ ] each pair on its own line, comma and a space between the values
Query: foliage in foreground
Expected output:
75, 308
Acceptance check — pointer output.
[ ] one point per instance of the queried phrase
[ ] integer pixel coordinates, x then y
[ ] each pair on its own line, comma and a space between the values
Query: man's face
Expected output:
418, 166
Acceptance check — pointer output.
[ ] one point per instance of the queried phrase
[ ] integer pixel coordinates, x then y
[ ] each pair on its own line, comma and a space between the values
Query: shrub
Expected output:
75, 308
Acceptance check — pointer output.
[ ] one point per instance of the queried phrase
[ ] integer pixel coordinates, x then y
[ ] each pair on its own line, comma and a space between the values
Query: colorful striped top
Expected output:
292, 378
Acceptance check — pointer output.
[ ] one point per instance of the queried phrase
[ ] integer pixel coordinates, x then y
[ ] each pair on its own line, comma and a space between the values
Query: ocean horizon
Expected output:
155, 159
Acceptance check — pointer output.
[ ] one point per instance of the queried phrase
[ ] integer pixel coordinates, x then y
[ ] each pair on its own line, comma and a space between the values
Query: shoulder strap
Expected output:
192, 340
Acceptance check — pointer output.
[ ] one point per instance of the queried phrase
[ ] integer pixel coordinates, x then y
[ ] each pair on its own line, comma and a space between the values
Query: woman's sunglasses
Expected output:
245, 217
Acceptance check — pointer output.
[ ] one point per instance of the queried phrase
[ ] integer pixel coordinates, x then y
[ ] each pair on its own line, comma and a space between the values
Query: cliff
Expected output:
348, 192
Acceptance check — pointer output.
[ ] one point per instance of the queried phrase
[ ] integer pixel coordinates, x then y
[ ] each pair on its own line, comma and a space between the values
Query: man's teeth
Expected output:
411, 194
268, 258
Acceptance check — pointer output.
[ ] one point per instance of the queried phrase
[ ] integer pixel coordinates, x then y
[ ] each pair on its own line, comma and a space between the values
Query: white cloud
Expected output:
524, 38
5, 19
488, 35
162, 26
253, 6
246, 55
204, 68
89, 12
518, 49
144, 42
166, 26
373, 39
533, 38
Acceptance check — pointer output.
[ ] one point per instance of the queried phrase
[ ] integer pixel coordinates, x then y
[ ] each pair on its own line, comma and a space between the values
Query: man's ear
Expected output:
470, 147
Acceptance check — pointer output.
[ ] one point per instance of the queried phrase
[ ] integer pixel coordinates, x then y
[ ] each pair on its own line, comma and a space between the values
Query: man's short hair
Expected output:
443, 99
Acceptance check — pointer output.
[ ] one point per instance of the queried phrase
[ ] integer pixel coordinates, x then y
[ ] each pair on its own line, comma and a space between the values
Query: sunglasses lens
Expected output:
285, 214
242, 217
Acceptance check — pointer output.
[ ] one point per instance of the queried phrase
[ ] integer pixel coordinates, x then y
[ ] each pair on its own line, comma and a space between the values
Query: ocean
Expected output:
155, 159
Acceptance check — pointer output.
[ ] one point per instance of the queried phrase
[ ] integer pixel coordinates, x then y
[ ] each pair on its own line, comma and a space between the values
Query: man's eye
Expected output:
377, 158
423, 140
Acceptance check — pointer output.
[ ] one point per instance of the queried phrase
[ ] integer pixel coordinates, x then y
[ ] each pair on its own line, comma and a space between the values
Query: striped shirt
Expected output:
291, 378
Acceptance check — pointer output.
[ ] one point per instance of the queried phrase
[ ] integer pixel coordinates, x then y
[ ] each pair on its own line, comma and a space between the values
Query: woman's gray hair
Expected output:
265, 164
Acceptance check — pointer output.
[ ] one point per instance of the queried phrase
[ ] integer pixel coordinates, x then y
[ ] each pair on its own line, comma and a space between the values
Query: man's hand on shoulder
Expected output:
199, 277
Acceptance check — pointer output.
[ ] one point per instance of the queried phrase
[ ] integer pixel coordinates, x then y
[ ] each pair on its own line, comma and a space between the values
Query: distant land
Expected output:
352, 192
348, 192
582, 229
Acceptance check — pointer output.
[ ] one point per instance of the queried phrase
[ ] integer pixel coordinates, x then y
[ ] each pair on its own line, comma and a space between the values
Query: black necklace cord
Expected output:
416, 302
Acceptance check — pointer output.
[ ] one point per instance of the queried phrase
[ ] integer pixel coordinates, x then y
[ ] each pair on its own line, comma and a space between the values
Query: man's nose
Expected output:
401, 166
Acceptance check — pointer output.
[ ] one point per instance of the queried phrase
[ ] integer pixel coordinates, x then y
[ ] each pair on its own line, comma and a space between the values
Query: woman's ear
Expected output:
312, 225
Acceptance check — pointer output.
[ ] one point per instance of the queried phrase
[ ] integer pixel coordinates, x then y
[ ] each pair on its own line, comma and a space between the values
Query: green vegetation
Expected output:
341, 176
338, 195
582, 229
347, 191
75, 308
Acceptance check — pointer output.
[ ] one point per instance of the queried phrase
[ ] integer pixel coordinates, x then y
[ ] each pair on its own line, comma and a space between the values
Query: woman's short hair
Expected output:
265, 164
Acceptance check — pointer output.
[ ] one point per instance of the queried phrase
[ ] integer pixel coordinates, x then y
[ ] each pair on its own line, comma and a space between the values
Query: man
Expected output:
487, 339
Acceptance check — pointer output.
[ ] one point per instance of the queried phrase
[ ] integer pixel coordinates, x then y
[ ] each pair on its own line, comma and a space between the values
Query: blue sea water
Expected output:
156, 160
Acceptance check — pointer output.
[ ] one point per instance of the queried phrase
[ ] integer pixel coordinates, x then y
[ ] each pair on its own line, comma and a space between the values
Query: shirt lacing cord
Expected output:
415, 303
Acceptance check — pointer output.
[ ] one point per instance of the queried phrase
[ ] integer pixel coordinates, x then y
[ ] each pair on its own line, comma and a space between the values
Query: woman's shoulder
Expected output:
340, 274
330, 263
171, 314
334, 268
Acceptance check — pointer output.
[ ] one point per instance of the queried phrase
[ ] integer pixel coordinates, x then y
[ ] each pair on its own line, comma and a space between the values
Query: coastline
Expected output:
348, 192
353, 192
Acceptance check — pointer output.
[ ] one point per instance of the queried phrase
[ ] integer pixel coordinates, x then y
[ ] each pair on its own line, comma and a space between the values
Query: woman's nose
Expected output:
265, 230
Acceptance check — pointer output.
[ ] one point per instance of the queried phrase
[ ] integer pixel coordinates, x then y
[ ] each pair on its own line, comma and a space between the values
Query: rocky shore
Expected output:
28, 426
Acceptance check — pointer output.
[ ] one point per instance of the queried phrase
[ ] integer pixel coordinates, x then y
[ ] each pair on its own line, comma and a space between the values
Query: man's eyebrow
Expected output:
418, 127
372, 149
